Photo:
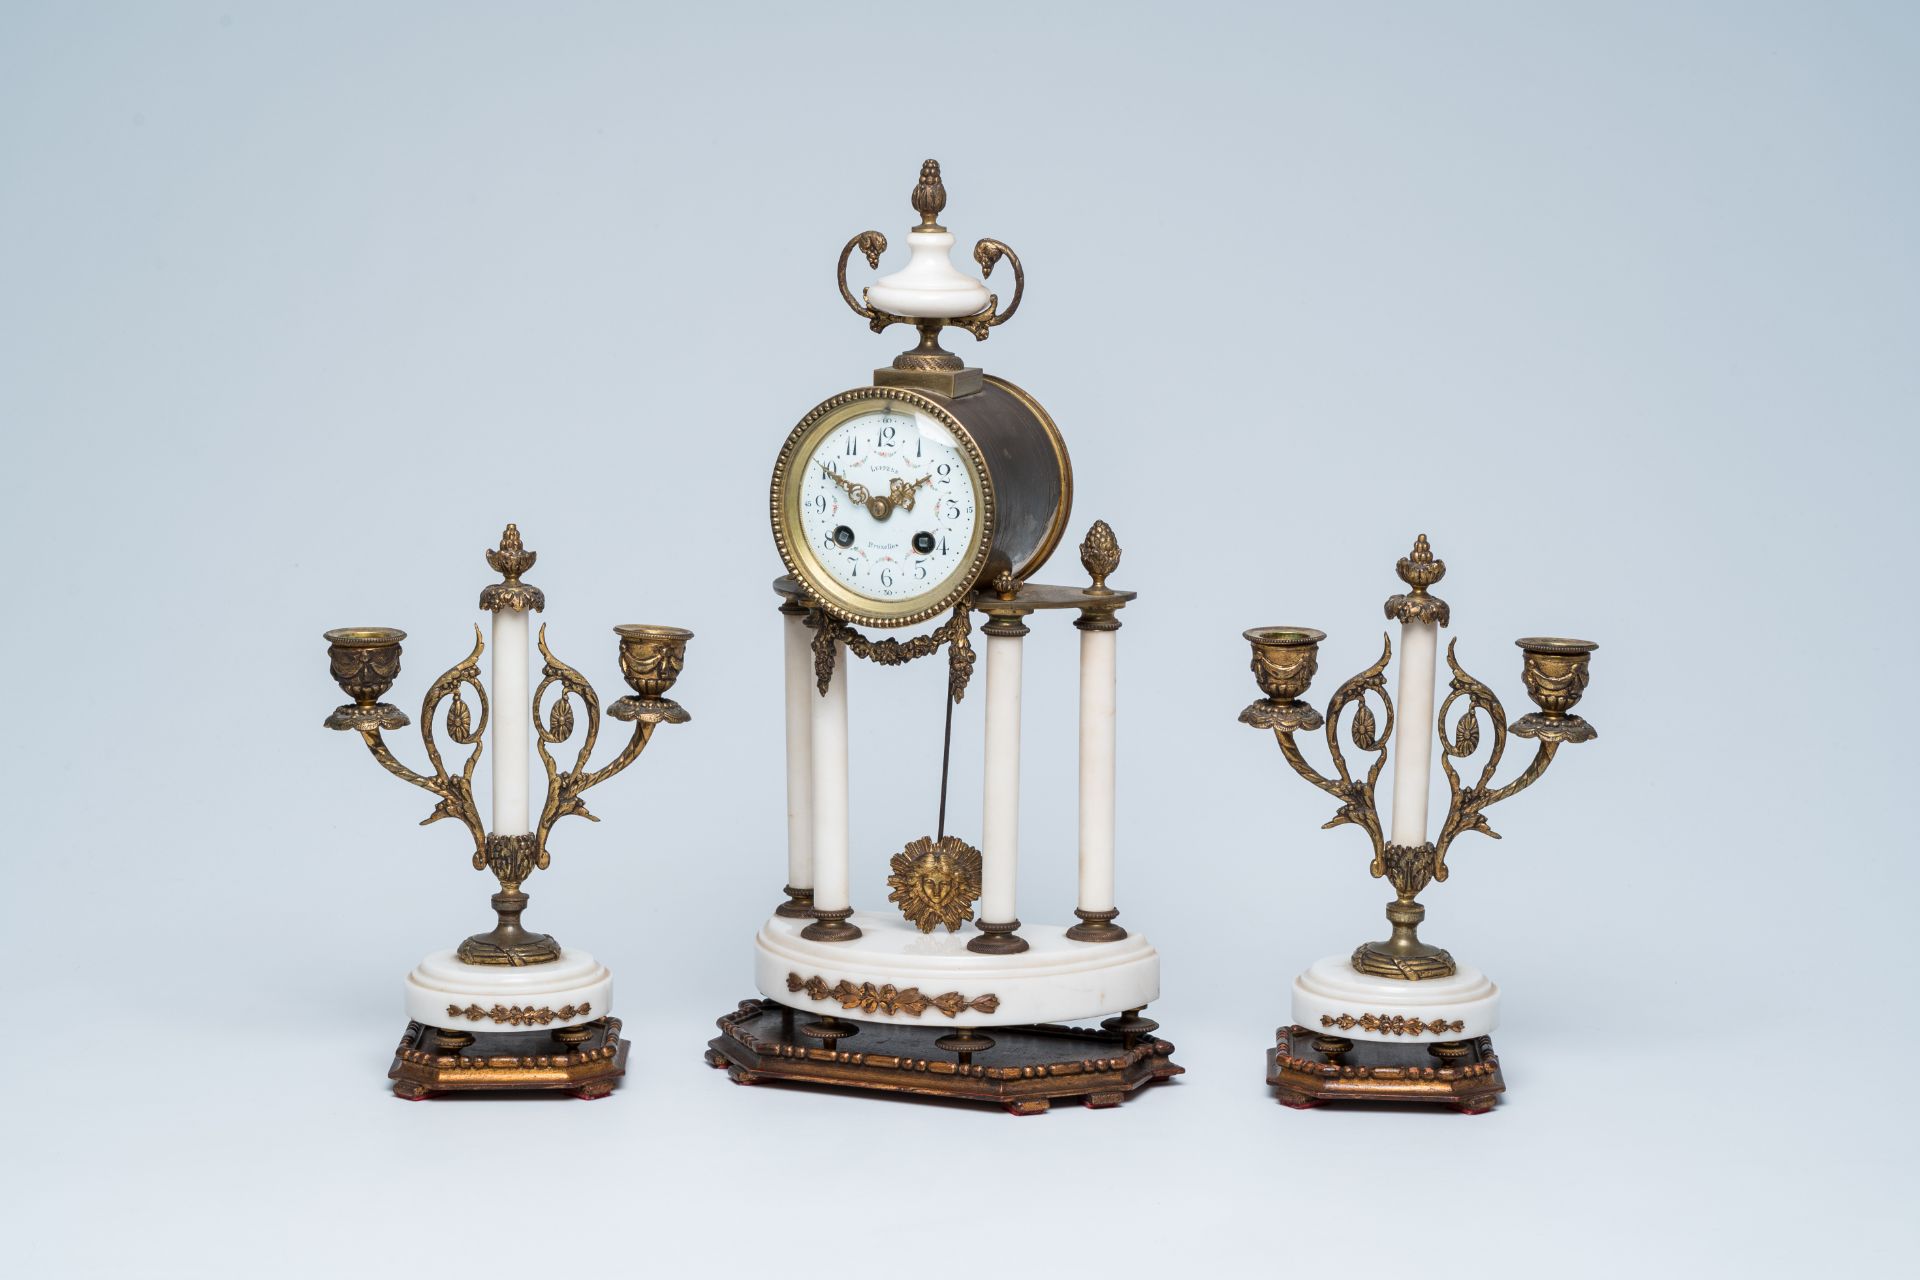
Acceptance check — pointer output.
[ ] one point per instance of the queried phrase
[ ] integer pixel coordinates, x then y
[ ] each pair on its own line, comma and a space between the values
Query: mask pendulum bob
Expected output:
509, 1008
936, 490
1399, 1020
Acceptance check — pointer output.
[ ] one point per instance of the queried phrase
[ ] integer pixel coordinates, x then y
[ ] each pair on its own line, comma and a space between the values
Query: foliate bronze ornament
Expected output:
888, 999
515, 1015
1396, 1025
953, 635
510, 560
936, 882
1419, 570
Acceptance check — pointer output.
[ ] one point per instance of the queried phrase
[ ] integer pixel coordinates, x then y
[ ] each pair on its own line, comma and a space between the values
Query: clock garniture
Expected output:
508, 1009
1399, 1020
936, 490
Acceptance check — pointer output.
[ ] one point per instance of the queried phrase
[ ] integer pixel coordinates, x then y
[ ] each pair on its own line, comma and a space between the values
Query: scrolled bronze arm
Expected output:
871, 244
1467, 804
1368, 733
454, 790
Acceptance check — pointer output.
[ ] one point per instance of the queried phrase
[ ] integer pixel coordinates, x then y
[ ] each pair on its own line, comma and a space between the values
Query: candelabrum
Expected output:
365, 661
1554, 672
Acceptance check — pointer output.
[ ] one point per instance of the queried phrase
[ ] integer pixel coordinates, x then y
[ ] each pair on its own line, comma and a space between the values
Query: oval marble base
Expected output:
442, 992
1055, 980
1333, 998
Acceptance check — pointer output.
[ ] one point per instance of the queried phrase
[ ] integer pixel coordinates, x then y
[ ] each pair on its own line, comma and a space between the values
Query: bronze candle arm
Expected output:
365, 662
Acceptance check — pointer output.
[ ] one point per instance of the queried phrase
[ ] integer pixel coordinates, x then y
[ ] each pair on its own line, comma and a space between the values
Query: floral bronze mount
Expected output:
365, 662
1554, 672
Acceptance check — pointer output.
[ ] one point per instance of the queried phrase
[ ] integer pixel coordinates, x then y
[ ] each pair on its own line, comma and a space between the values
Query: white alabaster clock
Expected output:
936, 493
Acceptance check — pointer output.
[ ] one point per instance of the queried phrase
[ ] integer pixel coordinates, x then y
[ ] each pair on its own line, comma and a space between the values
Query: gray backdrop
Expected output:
298, 305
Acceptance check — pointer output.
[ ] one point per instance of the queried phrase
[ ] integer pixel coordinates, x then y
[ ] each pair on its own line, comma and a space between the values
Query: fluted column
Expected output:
799, 679
1000, 819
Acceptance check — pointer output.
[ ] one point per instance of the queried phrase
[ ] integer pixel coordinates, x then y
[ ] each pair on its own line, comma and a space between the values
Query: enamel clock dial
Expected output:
892, 504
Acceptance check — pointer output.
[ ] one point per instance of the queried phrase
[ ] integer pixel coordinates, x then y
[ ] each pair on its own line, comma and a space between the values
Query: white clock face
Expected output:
887, 505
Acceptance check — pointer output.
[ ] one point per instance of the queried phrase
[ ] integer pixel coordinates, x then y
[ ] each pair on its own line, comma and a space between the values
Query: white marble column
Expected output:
512, 722
1413, 740
797, 639
831, 804
1099, 645
1000, 818
1420, 615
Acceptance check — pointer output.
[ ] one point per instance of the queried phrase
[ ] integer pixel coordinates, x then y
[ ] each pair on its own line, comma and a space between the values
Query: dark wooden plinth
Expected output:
1025, 1071
1305, 1076
498, 1060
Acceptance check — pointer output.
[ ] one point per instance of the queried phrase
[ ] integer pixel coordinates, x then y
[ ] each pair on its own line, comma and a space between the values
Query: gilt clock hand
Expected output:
900, 493
857, 492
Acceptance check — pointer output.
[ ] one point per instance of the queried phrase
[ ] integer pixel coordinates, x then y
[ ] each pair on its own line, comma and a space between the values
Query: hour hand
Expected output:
856, 492
900, 493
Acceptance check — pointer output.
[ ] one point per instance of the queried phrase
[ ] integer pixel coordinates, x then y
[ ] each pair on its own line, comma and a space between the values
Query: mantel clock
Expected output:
937, 491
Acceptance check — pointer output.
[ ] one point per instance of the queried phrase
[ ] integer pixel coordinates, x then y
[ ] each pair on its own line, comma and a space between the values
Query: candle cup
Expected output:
651, 658
1284, 662
365, 661
1554, 671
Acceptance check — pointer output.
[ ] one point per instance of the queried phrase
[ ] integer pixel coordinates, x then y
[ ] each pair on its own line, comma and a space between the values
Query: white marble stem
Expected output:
799, 655
830, 783
1000, 823
1413, 738
512, 722
1098, 655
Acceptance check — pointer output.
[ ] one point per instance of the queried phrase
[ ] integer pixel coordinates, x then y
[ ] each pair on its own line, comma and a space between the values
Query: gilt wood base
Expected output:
497, 1060
1027, 1069
1305, 1076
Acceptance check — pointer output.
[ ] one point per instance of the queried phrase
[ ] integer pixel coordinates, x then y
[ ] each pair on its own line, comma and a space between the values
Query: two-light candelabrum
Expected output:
521, 988
1403, 1000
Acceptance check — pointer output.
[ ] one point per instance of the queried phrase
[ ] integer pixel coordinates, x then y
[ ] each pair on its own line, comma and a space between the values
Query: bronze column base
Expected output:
798, 906
831, 926
507, 942
1096, 926
998, 939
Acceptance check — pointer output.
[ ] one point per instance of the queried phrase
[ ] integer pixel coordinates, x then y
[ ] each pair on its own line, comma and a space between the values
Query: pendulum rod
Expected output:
946, 763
